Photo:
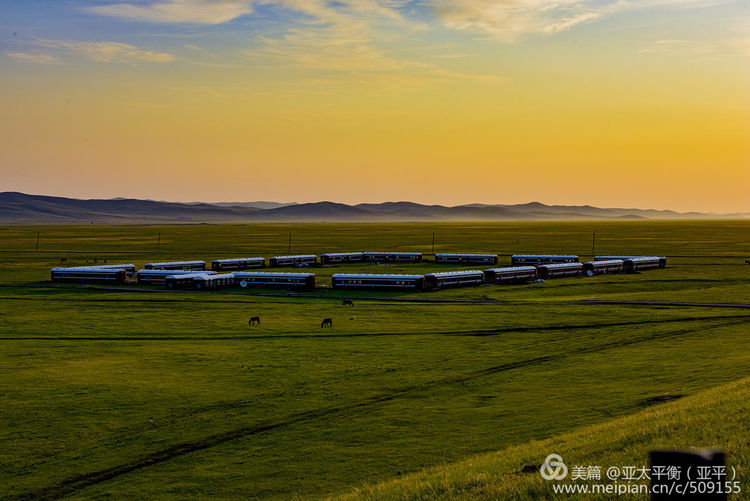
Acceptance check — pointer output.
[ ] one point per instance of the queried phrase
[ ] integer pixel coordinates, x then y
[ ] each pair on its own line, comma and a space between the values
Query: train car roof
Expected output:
211, 276
300, 255
561, 265
342, 253
233, 259
107, 266
454, 273
468, 255
626, 257
266, 274
376, 275
195, 274
176, 262
87, 268
513, 268
395, 253
173, 272
544, 255
643, 258
606, 261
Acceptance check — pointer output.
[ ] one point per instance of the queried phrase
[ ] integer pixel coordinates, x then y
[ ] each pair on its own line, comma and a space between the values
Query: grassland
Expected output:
129, 394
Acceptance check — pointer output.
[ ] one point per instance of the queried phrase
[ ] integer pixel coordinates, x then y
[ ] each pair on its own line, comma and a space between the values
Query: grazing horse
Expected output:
254, 321
347, 302
63, 260
747, 262
327, 322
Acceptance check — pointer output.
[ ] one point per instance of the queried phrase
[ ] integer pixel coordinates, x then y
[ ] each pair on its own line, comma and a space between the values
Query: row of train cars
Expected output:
192, 275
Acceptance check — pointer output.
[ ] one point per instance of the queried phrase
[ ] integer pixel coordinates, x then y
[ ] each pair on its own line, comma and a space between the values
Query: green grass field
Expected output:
126, 394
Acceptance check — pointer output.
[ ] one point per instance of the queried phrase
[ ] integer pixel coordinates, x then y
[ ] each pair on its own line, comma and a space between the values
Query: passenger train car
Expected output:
450, 279
159, 276
393, 257
300, 281
129, 268
377, 282
639, 263
466, 258
591, 268
177, 265
276, 261
539, 259
86, 274
510, 274
342, 257
241, 263
199, 281
559, 270
662, 259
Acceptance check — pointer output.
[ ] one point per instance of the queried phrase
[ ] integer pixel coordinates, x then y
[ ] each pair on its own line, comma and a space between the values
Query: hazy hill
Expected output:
22, 208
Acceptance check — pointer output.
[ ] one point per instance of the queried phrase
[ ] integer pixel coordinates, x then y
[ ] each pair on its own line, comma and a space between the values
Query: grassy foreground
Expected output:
126, 394
716, 417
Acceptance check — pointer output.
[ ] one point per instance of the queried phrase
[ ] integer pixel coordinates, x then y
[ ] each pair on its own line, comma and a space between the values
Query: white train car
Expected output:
306, 259
591, 268
240, 263
559, 270
539, 259
510, 274
86, 274
300, 281
157, 277
359, 281
342, 257
662, 259
393, 257
452, 279
177, 265
199, 281
466, 258
640, 263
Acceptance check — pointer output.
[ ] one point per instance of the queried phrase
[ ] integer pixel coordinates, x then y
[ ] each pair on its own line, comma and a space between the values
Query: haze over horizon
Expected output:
641, 104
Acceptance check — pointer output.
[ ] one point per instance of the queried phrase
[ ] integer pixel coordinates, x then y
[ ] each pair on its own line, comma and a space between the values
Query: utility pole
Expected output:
593, 245
36, 248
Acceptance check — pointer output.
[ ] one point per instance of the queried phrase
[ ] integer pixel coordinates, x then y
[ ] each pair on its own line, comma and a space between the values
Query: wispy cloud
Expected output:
52, 51
32, 57
177, 11
509, 19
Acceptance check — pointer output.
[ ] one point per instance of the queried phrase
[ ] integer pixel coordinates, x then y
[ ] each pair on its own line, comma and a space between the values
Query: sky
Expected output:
613, 103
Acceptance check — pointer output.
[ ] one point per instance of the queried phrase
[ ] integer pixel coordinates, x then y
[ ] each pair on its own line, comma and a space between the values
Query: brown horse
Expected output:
327, 322
347, 302
254, 321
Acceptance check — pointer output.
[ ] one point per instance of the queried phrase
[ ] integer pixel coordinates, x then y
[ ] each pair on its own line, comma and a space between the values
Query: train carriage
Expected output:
240, 263
157, 277
306, 259
466, 258
377, 282
129, 268
540, 259
300, 281
87, 274
510, 274
559, 270
639, 263
342, 257
177, 265
591, 268
662, 259
199, 281
452, 279
393, 257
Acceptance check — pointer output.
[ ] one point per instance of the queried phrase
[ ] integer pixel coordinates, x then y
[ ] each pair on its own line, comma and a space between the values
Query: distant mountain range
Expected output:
22, 208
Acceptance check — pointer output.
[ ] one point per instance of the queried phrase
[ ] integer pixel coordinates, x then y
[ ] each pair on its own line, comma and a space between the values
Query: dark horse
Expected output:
327, 322
747, 262
254, 321
347, 302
